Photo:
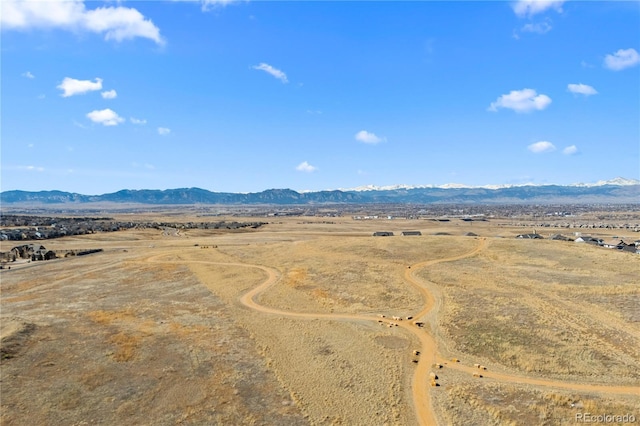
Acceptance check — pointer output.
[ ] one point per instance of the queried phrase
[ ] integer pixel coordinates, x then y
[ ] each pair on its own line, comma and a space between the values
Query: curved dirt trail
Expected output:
420, 387
509, 378
428, 345
420, 383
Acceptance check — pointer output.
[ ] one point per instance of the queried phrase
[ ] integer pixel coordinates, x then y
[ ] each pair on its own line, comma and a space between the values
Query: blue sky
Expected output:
246, 96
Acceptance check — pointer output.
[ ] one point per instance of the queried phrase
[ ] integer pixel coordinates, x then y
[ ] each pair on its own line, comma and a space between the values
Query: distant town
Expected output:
17, 228
578, 220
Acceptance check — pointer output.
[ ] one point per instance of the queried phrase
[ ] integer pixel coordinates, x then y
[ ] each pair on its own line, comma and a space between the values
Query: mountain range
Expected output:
617, 191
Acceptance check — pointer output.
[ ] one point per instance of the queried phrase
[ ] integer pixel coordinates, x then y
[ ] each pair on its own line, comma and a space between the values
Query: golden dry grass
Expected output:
157, 326
528, 305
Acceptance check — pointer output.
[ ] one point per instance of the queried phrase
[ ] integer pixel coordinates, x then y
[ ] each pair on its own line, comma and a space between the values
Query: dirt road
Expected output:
428, 340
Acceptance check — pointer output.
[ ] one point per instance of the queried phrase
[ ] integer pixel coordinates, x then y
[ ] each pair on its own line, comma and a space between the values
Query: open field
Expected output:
282, 325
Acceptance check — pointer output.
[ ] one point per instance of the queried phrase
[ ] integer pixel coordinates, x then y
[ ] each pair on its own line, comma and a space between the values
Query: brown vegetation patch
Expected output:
296, 277
107, 317
498, 404
126, 346
15, 336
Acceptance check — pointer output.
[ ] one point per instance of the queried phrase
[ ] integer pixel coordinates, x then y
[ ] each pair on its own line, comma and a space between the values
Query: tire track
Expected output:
420, 383
428, 344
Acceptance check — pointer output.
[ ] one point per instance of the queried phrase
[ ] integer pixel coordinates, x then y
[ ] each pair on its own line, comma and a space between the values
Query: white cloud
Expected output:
210, 4
137, 120
524, 8
539, 28
30, 168
116, 23
109, 94
623, 58
306, 167
570, 150
368, 137
71, 86
582, 89
28, 75
162, 131
106, 117
271, 70
144, 165
524, 100
540, 147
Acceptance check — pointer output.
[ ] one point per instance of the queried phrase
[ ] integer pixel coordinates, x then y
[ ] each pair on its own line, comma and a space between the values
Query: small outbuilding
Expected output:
614, 243
409, 233
530, 236
588, 240
383, 234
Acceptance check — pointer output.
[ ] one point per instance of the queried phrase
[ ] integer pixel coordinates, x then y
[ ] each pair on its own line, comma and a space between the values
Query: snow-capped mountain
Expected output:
617, 190
619, 181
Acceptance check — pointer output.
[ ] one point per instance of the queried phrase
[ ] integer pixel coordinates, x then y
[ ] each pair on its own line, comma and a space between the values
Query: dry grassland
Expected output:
153, 330
547, 308
489, 403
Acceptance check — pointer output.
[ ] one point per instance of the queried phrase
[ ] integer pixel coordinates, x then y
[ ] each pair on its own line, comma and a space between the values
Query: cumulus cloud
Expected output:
570, 150
306, 167
137, 120
162, 131
623, 58
582, 89
368, 137
271, 70
116, 23
106, 117
528, 8
525, 100
28, 75
71, 86
540, 147
109, 94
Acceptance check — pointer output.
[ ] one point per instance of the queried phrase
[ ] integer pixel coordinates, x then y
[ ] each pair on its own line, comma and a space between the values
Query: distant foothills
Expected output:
617, 191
